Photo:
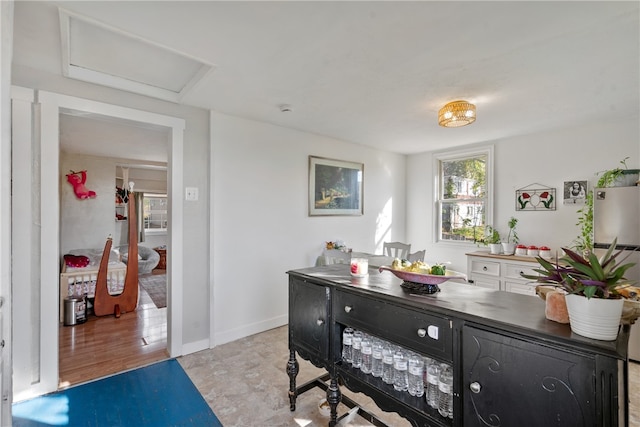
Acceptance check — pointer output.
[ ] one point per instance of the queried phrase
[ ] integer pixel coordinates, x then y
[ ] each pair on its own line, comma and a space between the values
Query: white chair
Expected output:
334, 256
396, 249
417, 256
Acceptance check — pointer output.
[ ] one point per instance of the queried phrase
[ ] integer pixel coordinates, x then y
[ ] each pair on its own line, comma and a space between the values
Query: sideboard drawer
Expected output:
519, 287
415, 329
514, 271
485, 267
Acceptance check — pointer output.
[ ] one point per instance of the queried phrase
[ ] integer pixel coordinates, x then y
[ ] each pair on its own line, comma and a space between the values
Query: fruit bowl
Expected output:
424, 279
423, 283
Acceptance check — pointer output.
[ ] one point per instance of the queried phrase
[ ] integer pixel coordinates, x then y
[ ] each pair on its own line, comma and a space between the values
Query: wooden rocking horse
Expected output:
105, 303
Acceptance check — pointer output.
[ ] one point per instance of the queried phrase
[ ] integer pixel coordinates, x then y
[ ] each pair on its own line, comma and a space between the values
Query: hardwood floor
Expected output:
105, 345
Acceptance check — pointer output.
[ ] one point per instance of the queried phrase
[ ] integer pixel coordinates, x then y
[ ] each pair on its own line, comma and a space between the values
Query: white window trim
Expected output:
156, 231
454, 155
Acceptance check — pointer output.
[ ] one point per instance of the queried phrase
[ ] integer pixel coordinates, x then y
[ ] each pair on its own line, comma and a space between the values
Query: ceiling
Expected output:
372, 73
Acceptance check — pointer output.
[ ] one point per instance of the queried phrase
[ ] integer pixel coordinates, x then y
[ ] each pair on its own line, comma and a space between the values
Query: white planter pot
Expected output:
508, 248
595, 318
495, 248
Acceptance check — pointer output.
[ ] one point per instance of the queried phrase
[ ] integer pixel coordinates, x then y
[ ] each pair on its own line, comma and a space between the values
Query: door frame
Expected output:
50, 106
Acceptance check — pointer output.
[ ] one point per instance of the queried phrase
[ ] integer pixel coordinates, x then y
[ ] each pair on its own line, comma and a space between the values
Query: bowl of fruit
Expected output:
421, 277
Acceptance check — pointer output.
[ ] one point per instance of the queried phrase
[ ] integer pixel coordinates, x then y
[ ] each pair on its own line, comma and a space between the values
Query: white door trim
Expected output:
51, 106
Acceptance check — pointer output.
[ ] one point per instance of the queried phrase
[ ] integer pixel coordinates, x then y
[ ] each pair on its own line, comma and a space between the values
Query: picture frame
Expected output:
536, 197
336, 187
575, 192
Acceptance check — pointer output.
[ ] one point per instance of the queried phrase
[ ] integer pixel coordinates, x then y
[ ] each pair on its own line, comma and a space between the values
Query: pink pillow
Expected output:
76, 261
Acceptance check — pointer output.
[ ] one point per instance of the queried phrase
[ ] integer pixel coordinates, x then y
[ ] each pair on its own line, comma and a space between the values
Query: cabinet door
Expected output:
510, 382
309, 306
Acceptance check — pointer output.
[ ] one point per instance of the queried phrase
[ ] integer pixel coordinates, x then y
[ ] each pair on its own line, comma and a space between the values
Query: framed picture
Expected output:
575, 192
335, 187
536, 197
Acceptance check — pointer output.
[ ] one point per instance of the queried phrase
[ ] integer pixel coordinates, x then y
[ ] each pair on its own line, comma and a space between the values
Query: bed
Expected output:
81, 281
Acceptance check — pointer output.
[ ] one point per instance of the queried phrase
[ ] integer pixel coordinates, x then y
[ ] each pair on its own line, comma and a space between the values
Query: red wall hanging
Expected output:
77, 180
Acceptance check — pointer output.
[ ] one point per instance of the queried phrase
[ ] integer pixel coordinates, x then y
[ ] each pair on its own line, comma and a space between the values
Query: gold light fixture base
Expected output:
456, 114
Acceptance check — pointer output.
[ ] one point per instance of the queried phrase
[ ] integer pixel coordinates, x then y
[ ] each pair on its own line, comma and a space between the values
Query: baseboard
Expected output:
247, 330
194, 347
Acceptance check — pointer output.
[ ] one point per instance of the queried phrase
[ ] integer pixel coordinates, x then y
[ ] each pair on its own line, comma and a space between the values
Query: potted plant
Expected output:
619, 177
592, 286
491, 239
509, 247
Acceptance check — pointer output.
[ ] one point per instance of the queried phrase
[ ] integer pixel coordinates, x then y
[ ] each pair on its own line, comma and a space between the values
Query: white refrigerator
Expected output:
616, 214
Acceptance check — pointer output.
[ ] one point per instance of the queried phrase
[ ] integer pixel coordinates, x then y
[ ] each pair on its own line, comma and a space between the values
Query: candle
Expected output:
359, 267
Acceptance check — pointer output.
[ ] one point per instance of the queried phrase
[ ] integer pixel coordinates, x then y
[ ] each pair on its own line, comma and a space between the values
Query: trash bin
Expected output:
75, 311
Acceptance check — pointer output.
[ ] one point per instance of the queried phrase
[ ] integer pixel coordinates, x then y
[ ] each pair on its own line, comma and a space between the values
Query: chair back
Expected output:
396, 249
335, 256
417, 256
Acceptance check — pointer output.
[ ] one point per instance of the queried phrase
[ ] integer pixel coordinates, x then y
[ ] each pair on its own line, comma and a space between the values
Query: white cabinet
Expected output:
501, 272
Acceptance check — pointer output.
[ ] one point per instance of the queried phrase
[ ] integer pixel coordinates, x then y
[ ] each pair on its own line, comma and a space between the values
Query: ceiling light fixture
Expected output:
456, 114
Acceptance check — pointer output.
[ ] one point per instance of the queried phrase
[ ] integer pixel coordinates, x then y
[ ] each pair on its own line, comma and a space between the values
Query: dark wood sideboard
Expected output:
511, 365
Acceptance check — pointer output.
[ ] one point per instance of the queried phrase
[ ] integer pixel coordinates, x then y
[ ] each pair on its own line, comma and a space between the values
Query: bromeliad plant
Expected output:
590, 277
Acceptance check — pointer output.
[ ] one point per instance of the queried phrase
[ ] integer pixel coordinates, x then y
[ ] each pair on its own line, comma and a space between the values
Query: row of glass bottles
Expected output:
400, 367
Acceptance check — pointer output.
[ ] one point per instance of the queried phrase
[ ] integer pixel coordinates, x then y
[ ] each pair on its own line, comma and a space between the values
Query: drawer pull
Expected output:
422, 333
475, 387
320, 322
484, 268
348, 308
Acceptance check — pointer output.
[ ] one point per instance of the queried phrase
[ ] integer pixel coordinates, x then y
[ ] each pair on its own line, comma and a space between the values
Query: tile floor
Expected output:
246, 384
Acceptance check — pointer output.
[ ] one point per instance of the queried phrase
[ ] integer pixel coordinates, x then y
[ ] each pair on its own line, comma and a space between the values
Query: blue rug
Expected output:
157, 395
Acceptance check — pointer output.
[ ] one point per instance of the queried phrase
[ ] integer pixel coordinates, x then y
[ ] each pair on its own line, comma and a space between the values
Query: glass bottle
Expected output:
376, 355
347, 336
433, 377
445, 389
400, 371
415, 374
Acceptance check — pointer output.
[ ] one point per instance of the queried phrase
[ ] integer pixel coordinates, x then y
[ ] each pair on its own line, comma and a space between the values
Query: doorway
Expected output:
136, 157
39, 119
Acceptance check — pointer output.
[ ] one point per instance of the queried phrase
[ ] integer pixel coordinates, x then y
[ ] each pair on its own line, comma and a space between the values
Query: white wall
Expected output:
6, 352
86, 223
549, 159
261, 223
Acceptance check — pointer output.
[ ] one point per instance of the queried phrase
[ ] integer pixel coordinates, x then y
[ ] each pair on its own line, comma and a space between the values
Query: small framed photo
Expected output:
575, 192
335, 187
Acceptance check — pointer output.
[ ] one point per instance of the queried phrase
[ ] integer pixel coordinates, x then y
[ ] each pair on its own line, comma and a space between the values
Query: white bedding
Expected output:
80, 282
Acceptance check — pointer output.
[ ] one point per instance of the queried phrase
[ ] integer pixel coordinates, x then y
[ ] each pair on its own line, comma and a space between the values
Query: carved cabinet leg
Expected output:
292, 371
333, 397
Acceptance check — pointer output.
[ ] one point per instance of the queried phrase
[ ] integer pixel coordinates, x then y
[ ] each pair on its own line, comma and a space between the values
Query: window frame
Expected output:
461, 154
155, 231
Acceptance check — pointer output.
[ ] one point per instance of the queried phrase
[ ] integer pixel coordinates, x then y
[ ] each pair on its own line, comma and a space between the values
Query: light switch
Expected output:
191, 193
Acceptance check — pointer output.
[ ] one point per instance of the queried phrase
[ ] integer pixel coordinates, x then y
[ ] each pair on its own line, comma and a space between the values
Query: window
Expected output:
155, 212
463, 194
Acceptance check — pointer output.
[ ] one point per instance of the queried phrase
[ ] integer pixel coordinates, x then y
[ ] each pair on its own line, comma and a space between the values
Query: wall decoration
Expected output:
335, 187
536, 197
575, 192
77, 180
